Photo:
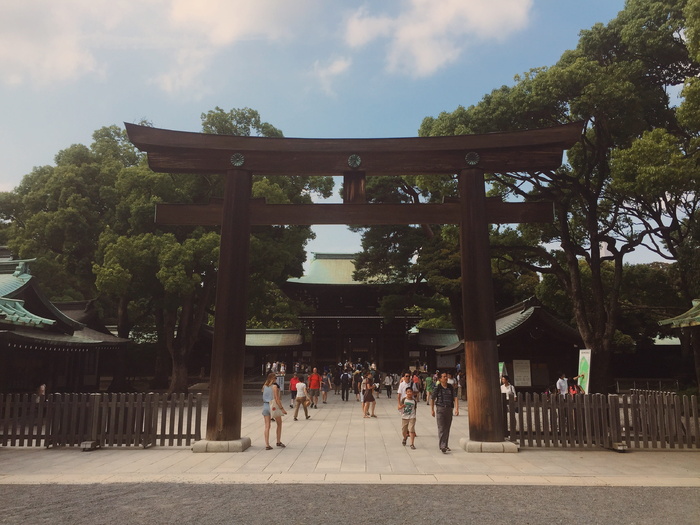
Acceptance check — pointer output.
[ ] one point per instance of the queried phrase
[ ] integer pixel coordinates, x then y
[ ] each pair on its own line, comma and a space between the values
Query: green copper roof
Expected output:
687, 319
13, 311
511, 321
437, 337
13, 275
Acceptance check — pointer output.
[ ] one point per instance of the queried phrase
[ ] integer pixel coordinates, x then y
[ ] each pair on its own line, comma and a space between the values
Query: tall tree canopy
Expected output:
89, 223
167, 275
617, 81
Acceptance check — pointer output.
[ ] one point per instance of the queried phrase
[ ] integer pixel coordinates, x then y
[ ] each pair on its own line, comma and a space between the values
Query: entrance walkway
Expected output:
338, 445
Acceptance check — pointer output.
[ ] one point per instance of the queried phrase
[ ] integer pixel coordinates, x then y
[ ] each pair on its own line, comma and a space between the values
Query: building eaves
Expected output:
12, 311
686, 319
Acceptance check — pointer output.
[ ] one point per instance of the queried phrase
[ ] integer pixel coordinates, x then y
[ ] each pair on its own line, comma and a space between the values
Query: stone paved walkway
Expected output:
338, 445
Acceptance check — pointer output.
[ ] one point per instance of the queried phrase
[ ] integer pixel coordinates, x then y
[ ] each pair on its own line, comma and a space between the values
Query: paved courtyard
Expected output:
338, 445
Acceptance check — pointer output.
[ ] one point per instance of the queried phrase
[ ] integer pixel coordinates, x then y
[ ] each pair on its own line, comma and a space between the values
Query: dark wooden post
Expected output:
481, 350
354, 187
228, 350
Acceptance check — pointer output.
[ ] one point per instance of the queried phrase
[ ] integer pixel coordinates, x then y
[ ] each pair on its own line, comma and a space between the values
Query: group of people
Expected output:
440, 393
563, 386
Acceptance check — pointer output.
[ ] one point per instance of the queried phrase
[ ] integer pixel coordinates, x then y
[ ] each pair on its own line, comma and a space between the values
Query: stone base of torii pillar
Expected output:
235, 445
488, 446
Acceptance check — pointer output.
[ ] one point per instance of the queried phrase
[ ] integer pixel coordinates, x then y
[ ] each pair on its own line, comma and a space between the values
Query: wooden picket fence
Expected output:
615, 422
99, 420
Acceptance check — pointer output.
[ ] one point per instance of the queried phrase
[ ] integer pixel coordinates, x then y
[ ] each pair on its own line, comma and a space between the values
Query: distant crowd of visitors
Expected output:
441, 391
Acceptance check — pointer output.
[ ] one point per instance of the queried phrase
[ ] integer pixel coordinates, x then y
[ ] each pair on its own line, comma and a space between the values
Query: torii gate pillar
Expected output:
228, 349
484, 396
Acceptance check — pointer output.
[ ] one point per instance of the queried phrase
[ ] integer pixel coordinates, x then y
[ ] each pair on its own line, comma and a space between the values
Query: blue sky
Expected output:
312, 68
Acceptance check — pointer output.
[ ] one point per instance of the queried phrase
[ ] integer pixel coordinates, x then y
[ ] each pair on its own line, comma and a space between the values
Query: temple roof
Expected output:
687, 319
267, 337
30, 338
521, 316
438, 337
273, 337
330, 268
14, 274
12, 311
29, 320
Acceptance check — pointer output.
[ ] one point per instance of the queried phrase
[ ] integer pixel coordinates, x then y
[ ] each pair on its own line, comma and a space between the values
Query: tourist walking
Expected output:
314, 387
429, 385
388, 383
405, 384
407, 409
326, 385
293, 388
336, 379
345, 382
442, 404
368, 401
507, 388
357, 384
272, 409
301, 399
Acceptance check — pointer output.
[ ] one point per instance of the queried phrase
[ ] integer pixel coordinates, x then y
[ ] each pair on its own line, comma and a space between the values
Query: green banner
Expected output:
584, 367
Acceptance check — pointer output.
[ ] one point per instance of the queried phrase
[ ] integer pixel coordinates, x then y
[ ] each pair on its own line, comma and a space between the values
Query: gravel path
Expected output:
155, 504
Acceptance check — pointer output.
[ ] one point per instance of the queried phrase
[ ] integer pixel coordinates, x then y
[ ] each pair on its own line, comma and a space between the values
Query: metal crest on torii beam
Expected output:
238, 158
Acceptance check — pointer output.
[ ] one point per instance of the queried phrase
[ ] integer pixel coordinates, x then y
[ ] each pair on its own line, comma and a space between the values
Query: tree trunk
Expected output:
162, 364
601, 375
178, 377
119, 383
162, 367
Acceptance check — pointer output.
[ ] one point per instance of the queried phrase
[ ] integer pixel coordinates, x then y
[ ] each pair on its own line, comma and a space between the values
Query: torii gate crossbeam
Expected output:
470, 156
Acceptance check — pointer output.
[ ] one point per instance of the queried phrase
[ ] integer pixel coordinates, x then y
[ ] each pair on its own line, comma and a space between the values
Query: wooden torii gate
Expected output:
469, 156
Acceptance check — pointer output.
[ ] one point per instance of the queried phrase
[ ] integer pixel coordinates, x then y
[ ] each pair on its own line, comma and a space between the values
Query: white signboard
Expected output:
521, 373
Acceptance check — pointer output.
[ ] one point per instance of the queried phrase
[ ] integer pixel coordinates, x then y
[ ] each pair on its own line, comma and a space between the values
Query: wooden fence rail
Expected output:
121, 420
615, 421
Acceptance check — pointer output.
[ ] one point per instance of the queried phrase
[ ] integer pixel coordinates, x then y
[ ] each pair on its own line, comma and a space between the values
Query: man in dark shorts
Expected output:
314, 383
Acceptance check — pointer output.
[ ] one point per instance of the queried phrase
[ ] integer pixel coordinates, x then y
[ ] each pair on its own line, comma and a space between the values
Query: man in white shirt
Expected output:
563, 383
403, 385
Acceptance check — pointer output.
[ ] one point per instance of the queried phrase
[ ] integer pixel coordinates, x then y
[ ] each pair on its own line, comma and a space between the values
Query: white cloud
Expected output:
327, 73
186, 75
223, 22
362, 28
44, 42
429, 34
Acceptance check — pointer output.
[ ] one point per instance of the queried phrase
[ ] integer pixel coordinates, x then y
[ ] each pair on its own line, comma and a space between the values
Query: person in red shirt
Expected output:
314, 383
293, 388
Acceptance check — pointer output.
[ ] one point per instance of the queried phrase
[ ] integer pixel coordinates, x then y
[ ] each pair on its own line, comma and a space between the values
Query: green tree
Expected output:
57, 213
167, 275
616, 82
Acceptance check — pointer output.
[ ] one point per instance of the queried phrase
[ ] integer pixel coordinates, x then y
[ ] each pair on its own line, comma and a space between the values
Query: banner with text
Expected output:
584, 367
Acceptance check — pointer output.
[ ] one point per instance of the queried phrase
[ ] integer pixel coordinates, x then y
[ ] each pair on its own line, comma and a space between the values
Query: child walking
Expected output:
407, 409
